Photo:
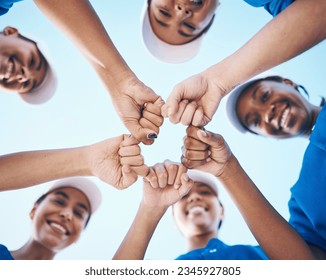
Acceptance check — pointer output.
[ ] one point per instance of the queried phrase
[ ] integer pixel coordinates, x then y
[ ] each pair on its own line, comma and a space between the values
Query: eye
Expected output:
165, 13
59, 202
265, 95
189, 25
31, 62
78, 214
205, 193
256, 121
26, 84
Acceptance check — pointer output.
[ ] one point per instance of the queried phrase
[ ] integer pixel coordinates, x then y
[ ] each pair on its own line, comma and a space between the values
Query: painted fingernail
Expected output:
151, 136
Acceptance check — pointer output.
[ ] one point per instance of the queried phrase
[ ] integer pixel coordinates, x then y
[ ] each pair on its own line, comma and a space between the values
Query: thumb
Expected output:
210, 138
172, 103
142, 134
128, 177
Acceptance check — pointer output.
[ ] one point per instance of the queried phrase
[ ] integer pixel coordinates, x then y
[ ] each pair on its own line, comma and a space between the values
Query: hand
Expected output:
117, 161
165, 184
139, 109
193, 101
205, 151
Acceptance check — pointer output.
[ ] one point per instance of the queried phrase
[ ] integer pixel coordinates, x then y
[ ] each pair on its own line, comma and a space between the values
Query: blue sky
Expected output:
81, 113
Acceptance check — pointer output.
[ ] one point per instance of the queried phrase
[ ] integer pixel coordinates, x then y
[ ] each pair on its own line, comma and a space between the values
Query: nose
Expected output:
183, 10
23, 74
270, 113
66, 215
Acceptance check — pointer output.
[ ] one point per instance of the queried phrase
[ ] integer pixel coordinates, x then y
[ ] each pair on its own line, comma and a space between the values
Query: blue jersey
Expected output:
4, 253
5, 5
274, 7
307, 205
217, 250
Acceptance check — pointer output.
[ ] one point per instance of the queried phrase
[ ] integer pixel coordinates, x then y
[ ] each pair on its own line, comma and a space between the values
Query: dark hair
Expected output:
43, 196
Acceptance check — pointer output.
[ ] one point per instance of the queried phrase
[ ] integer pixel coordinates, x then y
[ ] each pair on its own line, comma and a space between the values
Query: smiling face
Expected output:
22, 66
199, 212
59, 219
178, 22
274, 109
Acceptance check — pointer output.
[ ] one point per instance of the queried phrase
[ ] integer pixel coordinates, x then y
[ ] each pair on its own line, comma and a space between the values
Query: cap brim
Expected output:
203, 177
163, 51
83, 184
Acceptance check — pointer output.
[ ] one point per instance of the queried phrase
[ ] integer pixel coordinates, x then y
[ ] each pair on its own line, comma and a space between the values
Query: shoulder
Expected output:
4, 253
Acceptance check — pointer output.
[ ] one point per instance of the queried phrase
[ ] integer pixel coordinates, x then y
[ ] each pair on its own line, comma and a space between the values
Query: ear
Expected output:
290, 82
10, 31
221, 215
32, 212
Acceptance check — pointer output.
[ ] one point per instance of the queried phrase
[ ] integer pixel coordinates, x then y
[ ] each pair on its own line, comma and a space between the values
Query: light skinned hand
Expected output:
205, 150
165, 184
193, 101
130, 98
117, 161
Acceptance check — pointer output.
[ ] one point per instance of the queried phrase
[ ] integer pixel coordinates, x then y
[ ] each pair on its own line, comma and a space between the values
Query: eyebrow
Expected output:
64, 195
185, 34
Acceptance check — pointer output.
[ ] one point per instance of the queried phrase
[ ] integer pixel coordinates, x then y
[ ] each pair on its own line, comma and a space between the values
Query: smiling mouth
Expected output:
196, 210
283, 119
8, 71
58, 228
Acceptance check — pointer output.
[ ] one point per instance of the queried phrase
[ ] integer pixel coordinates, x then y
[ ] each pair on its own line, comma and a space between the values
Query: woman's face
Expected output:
178, 22
60, 218
22, 66
199, 212
274, 109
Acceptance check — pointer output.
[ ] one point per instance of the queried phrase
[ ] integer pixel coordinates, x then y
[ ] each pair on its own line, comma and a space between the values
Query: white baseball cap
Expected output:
203, 177
88, 187
47, 88
163, 51
233, 96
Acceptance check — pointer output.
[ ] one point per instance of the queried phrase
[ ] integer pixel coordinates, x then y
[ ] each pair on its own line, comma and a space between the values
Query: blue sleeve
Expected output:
5, 5
308, 200
274, 7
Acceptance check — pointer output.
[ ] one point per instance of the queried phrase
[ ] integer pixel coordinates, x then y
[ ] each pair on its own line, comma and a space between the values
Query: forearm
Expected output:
135, 243
274, 234
90, 37
295, 30
25, 169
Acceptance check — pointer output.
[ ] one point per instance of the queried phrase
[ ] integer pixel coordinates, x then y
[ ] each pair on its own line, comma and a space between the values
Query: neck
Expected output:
315, 112
199, 240
33, 250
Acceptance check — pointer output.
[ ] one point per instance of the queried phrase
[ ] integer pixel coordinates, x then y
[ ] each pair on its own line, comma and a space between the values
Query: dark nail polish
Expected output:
152, 136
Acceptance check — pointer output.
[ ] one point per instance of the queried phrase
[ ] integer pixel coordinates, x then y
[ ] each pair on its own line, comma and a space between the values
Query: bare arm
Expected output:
163, 186
25, 169
274, 234
299, 27
128, 94
116, 161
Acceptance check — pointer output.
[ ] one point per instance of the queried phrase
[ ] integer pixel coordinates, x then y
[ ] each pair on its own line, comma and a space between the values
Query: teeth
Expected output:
10, 67
196, 210
59, 227
284, 117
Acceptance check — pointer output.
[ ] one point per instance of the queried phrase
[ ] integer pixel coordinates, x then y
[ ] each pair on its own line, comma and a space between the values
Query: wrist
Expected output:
229, 170
151, 210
